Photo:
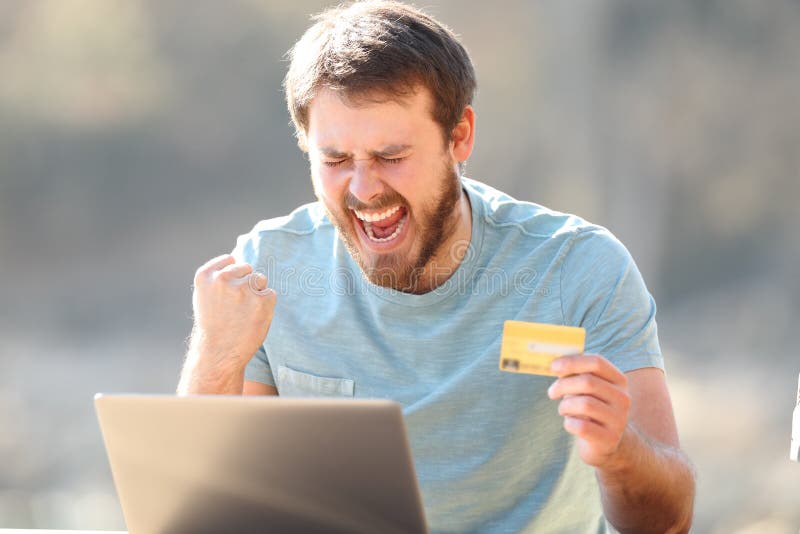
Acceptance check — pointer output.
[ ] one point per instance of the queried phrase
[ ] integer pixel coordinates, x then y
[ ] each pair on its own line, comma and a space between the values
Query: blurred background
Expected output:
139, 138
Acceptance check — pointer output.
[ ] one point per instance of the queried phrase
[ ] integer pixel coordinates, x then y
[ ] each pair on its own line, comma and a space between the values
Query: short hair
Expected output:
379, 48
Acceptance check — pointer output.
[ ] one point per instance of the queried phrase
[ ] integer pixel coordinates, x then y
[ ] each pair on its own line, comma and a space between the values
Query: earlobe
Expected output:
463, 138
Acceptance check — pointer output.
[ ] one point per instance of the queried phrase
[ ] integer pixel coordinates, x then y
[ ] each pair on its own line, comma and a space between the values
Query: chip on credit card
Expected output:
532, 347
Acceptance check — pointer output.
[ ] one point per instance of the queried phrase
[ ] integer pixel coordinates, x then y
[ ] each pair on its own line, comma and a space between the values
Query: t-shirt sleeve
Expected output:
247, 250
603, 291
258, 370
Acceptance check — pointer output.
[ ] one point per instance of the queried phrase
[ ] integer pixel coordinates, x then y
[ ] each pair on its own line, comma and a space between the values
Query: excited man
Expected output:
397, 282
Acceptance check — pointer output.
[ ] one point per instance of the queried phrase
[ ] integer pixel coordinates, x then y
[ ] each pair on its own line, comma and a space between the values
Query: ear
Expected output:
463, 137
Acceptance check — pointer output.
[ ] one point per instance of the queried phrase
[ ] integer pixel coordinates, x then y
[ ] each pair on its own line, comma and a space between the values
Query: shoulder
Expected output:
303, 226
306, 219
506, 214
579, 249
600, 279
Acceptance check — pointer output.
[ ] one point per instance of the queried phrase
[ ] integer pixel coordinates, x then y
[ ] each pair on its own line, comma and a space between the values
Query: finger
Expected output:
586, 407
258, 282
588, 363
269, 294
588, 430
589, 384
213, 265
234, 271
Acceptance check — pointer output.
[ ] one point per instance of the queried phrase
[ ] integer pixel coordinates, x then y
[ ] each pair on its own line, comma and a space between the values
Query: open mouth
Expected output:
382, 227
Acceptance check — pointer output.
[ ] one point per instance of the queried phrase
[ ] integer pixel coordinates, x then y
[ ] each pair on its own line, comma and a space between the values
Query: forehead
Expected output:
373, 119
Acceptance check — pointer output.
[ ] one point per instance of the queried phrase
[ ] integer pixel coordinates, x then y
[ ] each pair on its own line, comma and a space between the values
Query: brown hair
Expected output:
379, 48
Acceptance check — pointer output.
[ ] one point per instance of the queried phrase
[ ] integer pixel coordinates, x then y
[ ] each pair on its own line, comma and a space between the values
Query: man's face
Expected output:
388, 181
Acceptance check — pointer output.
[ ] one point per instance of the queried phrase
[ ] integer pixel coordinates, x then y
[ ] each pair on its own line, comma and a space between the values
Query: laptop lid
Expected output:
211, 464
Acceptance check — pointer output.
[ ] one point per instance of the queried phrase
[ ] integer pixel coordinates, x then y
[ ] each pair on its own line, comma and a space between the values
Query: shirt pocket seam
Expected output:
292, 382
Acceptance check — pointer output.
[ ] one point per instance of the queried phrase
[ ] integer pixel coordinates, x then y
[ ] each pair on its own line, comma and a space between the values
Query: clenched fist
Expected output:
232, 312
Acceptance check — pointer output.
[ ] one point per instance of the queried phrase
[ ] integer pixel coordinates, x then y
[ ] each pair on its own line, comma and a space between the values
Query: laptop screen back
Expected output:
254, 464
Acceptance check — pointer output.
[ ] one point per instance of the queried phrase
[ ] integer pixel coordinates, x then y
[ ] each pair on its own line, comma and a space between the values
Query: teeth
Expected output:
371, 234
375, 217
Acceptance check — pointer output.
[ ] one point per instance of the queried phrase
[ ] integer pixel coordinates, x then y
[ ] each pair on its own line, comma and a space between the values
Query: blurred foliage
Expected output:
138, 138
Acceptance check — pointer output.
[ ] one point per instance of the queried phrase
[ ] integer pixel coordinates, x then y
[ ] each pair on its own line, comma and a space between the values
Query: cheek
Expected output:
325, 186
332, 194
408, 182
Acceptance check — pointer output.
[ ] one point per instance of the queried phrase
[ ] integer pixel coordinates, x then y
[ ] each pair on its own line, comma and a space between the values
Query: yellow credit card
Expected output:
532, 347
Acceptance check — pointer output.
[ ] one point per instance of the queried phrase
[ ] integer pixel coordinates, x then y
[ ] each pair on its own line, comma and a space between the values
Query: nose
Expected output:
365, 183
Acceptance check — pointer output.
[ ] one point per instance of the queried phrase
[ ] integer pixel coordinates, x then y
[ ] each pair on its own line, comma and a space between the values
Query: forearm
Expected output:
206, 371
232, 313
647, 486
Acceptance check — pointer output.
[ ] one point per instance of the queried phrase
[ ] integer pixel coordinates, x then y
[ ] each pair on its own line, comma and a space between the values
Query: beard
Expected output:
433, 225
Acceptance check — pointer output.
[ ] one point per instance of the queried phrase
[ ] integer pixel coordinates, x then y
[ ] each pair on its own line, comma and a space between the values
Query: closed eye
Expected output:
334, 163
338, 162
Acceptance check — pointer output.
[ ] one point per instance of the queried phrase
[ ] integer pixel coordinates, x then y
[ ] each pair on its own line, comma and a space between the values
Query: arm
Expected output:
195, 380
649, 481
257, 388
626, 430
231, 322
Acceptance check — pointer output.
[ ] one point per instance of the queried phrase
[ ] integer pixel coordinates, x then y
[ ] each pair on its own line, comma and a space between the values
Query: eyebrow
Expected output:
391, 150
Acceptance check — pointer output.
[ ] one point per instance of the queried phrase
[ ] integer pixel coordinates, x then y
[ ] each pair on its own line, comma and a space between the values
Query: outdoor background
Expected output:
139, 138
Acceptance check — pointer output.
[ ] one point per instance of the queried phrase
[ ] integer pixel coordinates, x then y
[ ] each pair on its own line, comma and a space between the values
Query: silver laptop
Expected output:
229, 464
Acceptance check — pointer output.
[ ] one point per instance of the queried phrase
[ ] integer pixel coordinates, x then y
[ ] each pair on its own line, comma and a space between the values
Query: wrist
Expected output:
624, 459
200, 377
209, 353
210, 369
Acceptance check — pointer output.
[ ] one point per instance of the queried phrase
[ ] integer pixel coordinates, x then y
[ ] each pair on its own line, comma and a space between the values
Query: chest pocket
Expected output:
293, 383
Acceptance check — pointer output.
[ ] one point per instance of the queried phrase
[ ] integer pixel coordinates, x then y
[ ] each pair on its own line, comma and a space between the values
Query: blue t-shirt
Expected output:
489, 447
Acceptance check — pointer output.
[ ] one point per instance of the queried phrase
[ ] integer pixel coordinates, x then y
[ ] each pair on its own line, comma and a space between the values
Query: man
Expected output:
397, 282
